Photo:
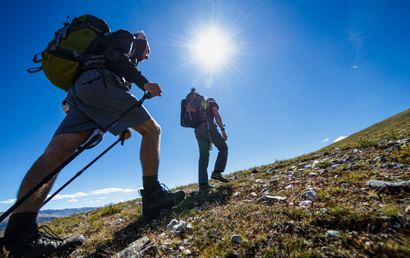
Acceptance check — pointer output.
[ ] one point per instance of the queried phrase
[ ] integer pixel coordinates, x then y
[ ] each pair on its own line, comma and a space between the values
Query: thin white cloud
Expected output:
111, 190
354, 67
339, 138
73, 200
81, 194
325, 140
102, 198
70, 196
9, 201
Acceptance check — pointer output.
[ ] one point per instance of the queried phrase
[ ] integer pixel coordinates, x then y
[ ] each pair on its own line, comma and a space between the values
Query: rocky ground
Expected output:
342, 202
351, 202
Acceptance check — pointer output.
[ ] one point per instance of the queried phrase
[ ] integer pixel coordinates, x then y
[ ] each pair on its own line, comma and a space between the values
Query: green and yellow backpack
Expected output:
68, 50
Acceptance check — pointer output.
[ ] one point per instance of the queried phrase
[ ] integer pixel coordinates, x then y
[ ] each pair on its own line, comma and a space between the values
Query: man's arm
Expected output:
118, 54
218, 120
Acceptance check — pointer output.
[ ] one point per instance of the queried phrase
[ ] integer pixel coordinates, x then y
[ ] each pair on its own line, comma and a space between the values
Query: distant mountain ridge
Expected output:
47, 215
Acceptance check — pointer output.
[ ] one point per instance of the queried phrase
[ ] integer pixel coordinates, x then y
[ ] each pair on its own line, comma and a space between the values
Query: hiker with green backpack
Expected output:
199, 113
99, 80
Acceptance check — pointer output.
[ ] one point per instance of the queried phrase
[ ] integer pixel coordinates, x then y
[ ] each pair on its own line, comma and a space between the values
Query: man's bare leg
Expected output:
22, 237
150, 146
59, 149
154, 198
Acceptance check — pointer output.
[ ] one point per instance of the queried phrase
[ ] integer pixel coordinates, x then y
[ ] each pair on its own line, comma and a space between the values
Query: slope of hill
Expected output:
397, 126
47, 215
350, 199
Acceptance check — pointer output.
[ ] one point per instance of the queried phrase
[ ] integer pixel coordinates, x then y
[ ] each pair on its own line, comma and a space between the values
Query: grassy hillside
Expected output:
397, 126
315, 205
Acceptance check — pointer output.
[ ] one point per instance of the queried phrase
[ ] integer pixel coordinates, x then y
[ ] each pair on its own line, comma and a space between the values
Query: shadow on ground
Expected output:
193, 200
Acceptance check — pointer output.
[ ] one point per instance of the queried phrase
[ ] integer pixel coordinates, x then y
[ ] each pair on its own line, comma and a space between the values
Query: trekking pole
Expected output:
47, 178
89, 165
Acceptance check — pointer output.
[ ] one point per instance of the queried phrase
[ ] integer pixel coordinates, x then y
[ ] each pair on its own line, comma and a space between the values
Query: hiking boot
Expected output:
218, 176
205, 188
30, 242
157, 198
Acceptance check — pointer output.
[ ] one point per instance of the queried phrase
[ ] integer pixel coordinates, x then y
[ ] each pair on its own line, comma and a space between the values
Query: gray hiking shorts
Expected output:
96, 99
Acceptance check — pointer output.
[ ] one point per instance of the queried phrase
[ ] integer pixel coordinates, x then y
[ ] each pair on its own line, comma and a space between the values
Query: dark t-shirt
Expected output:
209, 112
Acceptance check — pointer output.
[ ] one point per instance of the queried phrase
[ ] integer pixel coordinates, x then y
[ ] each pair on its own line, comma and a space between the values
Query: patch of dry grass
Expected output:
369, 222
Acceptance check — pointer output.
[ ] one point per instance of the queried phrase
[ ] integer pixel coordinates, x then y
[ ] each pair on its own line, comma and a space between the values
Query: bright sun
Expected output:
211, 49
212, 42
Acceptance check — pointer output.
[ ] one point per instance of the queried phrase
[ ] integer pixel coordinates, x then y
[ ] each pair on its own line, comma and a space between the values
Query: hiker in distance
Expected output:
205, 110
206, 134
100, 94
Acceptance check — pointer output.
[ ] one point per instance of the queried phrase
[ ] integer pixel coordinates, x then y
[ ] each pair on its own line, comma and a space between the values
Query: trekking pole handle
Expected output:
147, 95
122, 138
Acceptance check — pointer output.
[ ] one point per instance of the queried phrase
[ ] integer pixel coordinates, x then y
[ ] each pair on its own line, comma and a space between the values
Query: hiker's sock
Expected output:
149, 181
18, 221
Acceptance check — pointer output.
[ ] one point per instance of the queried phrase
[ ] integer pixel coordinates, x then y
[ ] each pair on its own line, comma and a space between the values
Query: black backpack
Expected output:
193, 110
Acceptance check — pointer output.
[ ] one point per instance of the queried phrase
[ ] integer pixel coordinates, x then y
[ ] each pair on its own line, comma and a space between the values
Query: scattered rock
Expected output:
324, 210
271, 171
236, 239
177, 227
143, 247
172, 224
392, 187
265, 191
271, 199
305, 203
332, 234
309, 195
323, 171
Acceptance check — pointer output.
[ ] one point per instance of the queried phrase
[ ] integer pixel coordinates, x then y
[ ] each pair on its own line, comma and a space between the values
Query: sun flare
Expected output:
211, 49
212, 44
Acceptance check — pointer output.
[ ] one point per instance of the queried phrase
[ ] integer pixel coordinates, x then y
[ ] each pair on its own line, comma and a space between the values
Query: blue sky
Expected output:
290, 77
